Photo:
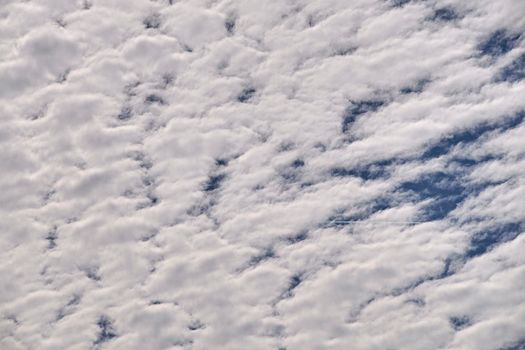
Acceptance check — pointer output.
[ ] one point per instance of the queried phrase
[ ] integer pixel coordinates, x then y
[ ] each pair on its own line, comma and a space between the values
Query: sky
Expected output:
247, 174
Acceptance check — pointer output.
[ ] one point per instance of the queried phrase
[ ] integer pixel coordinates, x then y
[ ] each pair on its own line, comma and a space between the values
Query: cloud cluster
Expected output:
262, 175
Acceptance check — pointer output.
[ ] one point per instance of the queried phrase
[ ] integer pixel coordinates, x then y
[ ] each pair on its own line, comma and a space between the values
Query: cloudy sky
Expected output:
251, 174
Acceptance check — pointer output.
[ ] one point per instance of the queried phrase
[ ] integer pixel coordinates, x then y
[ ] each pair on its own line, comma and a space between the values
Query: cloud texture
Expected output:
242, 174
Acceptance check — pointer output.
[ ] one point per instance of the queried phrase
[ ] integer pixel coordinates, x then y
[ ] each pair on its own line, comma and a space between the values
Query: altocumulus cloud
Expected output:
262, 175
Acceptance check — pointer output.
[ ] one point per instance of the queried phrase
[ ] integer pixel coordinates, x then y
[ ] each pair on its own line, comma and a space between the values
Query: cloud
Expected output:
238, 174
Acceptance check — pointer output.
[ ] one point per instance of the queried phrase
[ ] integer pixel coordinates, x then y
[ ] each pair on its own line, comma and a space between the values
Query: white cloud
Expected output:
254, 175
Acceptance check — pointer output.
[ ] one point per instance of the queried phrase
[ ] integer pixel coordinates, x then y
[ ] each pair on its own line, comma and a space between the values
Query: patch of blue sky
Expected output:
499, 43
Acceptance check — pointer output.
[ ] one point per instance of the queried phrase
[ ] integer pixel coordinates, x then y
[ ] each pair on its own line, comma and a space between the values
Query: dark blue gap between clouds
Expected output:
106, 330
446, 188
499, 43
513, 72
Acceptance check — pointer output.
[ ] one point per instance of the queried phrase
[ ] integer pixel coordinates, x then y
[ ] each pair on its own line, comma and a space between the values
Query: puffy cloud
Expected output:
240, 174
